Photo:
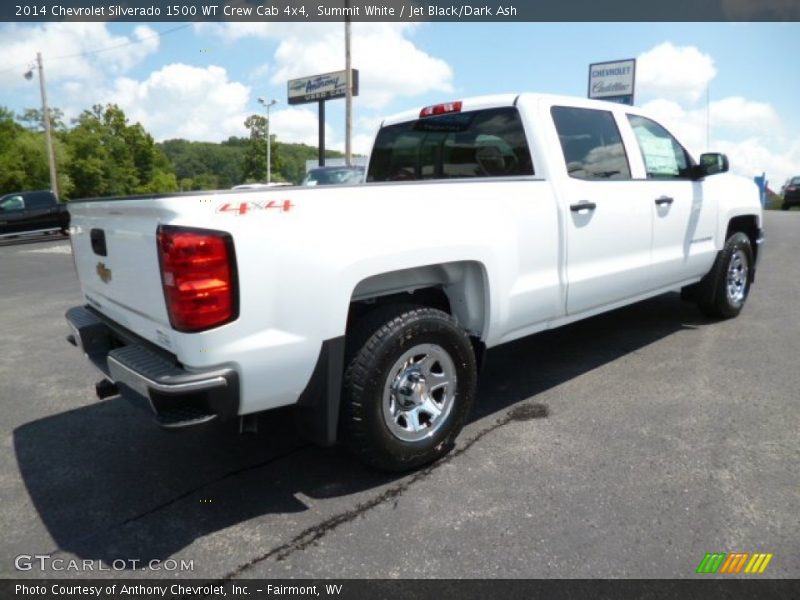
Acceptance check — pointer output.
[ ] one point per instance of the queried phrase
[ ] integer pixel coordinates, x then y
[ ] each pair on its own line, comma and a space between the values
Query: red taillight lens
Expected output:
441, 109
198, 272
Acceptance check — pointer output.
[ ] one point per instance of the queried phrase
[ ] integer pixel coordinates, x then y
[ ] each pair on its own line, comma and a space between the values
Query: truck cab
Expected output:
32, 212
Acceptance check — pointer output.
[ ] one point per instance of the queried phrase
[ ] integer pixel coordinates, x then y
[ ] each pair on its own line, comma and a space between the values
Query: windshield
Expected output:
334, 176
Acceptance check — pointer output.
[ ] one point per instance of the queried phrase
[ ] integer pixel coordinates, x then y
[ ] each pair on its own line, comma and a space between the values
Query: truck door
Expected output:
41, 211
608, 225
684, 218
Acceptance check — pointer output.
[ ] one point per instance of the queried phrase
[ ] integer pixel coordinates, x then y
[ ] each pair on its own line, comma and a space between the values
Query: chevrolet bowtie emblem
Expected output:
103, 272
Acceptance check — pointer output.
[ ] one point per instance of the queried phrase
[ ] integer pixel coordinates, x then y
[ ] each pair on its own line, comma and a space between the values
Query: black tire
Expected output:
377, 344
715, 297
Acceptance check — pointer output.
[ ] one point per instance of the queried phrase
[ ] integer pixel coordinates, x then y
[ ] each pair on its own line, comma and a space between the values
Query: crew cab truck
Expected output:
369, 307
32, 212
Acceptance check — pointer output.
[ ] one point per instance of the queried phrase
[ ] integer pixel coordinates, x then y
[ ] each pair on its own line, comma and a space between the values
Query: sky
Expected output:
727, 87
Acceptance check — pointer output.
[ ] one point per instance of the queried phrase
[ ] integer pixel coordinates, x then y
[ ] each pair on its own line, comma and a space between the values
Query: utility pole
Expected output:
348, 99
51, 155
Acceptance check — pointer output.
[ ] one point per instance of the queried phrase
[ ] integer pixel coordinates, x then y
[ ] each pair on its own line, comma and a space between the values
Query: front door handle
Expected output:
664, 200
582, 206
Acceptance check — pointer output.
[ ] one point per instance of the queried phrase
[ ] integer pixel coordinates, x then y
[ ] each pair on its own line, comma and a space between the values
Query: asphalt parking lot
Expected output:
628, 445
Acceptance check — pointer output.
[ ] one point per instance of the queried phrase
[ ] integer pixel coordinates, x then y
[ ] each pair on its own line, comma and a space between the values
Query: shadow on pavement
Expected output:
108, 484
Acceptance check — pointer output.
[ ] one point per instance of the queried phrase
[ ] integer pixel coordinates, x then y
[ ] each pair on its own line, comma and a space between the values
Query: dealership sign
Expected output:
321, 87
613, 81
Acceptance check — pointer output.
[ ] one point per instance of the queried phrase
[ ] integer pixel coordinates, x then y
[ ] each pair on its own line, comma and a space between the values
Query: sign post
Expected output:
613, 81
319, 88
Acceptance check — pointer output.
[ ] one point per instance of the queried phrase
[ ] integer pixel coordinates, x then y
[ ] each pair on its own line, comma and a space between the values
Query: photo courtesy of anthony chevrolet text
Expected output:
399, 299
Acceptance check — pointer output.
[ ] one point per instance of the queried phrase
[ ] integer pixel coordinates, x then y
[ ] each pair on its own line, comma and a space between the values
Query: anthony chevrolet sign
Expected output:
613, 81
320, 87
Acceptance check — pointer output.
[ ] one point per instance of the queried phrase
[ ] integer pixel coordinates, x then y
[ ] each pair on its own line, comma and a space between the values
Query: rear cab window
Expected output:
458, 145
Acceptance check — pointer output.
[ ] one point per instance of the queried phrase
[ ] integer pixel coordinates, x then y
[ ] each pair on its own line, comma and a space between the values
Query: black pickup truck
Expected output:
32, 212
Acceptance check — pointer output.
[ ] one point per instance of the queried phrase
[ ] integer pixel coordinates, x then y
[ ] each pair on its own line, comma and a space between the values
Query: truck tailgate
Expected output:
116, 256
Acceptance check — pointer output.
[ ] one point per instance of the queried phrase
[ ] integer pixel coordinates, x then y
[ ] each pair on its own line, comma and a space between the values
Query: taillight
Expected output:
441, 109
198, 272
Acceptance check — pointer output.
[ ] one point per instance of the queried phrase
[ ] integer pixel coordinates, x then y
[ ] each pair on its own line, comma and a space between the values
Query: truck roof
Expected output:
500, 100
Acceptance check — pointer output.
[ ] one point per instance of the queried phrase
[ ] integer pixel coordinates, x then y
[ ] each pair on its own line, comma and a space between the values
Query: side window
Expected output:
664, 157
38, 200
482, 143
10, 203
591, 143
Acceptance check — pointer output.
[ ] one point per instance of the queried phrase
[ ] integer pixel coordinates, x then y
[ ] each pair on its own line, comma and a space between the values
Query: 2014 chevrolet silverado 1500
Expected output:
369, 307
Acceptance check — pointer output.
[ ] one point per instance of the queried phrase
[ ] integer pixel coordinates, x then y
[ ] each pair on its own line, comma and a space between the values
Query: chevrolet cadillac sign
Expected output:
613, 81
320, 87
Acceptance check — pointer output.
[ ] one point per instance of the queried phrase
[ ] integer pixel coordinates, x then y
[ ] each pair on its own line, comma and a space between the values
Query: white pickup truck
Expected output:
369, 307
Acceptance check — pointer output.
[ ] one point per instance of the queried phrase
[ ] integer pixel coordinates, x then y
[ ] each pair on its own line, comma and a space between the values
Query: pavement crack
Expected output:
313, 534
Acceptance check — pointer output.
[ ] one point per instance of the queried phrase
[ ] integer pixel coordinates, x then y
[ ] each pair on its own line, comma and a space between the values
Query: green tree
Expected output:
205, 165
255, 159
32, 119
110, 157
23, 158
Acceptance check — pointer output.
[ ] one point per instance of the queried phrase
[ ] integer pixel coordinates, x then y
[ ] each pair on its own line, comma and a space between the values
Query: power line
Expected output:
99, 50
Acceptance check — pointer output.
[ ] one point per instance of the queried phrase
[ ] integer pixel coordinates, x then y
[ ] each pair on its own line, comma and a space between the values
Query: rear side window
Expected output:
39, 199
591, 143
482, 143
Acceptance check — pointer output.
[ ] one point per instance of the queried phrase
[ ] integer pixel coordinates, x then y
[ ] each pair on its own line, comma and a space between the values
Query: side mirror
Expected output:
712, 163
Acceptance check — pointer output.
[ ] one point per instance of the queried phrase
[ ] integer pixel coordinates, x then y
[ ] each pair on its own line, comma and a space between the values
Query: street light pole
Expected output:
348, 151
268, 105
51, 155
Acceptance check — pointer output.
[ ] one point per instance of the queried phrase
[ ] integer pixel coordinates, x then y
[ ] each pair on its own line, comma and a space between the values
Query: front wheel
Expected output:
730, 278
408, 388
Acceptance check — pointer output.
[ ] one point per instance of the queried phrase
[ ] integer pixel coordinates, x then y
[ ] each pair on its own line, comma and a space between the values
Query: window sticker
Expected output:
659, 155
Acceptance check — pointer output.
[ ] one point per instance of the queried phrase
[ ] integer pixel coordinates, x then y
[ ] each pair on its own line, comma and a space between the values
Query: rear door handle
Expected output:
582, 206
664, 200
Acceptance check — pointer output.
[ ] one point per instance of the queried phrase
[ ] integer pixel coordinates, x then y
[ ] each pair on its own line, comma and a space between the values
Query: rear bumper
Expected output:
177, 396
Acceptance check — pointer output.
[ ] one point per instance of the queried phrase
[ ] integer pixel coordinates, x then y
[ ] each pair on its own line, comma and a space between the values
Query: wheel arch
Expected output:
749, 224
458, 288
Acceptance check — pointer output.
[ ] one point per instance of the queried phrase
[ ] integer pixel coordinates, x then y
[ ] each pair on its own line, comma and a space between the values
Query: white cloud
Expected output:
752, 156
362, 143
390, 65
674, 72
764, 150
739, 114
182, 101
751, 132
64, 47
299, 125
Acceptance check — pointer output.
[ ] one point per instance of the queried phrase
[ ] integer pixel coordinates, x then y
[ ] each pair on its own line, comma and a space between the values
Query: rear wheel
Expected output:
408, 387
727, 285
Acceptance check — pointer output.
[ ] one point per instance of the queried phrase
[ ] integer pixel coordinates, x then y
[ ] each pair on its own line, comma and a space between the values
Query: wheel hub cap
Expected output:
736, 285
419, 392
